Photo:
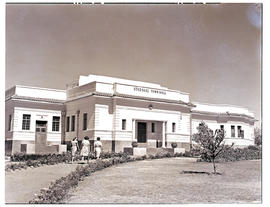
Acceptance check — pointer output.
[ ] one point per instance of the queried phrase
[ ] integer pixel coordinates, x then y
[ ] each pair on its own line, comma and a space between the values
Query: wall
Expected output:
84, 105
36, 114
213, 123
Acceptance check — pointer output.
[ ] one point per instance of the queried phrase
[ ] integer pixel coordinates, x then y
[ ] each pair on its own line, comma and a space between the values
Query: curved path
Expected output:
162, 181
21, 185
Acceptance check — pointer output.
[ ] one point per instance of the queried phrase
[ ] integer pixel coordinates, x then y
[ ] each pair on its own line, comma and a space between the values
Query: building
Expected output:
120, 111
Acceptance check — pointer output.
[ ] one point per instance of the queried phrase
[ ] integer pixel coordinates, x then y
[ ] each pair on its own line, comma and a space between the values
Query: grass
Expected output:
162, 181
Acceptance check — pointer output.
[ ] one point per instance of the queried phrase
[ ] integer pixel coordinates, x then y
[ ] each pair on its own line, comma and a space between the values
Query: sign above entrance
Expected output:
151, 92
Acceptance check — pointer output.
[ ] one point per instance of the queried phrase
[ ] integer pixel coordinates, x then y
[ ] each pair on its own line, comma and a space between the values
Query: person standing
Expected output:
74, 148
98, 146
85, 148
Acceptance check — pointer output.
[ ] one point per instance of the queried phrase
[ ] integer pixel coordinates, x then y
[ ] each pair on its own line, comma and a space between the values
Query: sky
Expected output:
212, 52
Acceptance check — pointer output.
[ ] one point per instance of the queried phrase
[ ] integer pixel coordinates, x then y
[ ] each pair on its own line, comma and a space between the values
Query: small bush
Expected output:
134, 144
174, 144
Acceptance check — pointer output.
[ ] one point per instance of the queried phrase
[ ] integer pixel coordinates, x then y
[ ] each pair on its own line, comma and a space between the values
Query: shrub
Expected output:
253, 147
235, 154
134, 144
174, 144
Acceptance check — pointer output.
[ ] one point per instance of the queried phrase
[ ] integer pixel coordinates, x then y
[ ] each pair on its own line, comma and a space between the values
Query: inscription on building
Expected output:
146, 90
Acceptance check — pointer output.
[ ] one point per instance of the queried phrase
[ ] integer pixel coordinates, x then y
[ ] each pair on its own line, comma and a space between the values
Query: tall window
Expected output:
55, 123
84, 121
73, 123
9, 122
124, 123
239, 131
232, 131
173, 127
68, 121
26, 122
153, 127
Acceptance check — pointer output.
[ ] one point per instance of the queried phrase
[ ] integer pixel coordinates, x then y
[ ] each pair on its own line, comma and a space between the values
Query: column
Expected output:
163, 134
133, 130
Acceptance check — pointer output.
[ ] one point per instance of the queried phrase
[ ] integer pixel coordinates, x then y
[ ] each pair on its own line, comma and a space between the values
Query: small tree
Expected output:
211, 143
258, 136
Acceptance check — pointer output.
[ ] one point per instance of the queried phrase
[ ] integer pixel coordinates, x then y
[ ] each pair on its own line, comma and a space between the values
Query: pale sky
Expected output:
212, 52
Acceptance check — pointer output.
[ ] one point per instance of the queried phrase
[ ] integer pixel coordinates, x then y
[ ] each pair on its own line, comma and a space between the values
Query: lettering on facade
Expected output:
146, 90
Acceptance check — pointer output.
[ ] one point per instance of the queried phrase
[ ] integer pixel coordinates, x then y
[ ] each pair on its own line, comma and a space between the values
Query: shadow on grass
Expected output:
199, 172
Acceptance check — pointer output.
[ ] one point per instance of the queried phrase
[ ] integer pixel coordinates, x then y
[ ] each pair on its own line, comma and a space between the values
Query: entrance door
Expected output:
141, 132
41, 132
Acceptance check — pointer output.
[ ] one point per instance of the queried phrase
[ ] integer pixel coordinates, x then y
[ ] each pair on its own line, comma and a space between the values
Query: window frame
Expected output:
26, 123
124, 124
55, 127
232, 131
9, 122
173, 127
68, 124
153, 130
73, 123
85, 119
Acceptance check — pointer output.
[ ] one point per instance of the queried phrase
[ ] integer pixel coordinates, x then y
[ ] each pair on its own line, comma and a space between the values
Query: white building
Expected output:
120, 111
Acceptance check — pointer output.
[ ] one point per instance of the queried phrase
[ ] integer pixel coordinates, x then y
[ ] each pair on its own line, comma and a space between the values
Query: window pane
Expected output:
84, 121
68, 120
9, 122
55, 123
173, 127
73, 123
232, 131
26, 122
123, 124
153, 127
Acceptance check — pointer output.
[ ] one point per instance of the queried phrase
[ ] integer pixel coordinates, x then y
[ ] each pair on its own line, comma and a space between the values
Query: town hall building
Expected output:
119, 111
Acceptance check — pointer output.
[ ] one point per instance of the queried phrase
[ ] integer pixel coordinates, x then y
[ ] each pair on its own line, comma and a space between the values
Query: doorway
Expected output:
41, 133
141, 132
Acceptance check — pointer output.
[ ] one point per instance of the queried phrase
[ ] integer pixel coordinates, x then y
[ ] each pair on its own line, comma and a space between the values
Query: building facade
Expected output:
119, 111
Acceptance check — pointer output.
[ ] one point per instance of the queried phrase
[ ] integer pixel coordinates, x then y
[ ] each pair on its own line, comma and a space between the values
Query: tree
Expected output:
258, 136
211, 143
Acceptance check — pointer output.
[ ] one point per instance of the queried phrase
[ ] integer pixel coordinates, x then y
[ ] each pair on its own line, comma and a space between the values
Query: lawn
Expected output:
162, 181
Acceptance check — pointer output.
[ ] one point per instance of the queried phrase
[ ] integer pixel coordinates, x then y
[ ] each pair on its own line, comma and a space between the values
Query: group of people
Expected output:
85, 150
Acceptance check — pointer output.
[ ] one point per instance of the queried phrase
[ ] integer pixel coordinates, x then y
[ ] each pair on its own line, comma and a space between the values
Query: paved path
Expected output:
162, 181
21, 185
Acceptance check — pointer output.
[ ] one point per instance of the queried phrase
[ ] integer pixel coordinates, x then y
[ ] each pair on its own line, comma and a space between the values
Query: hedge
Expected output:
235, 154
36, 160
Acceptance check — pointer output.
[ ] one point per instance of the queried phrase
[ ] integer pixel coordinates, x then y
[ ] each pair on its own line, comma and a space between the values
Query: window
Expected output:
84, 121
68, 120
9, 122
222, 127
232, 131
26, 122
242, 134
55, 123
239, 131
73, 123
173, 127
153, 127
124, 121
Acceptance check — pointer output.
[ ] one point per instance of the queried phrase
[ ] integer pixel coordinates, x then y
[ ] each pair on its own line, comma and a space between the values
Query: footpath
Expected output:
22, 185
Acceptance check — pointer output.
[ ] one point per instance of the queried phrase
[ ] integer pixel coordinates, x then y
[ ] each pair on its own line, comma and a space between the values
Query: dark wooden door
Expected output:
141, 132
41, 133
